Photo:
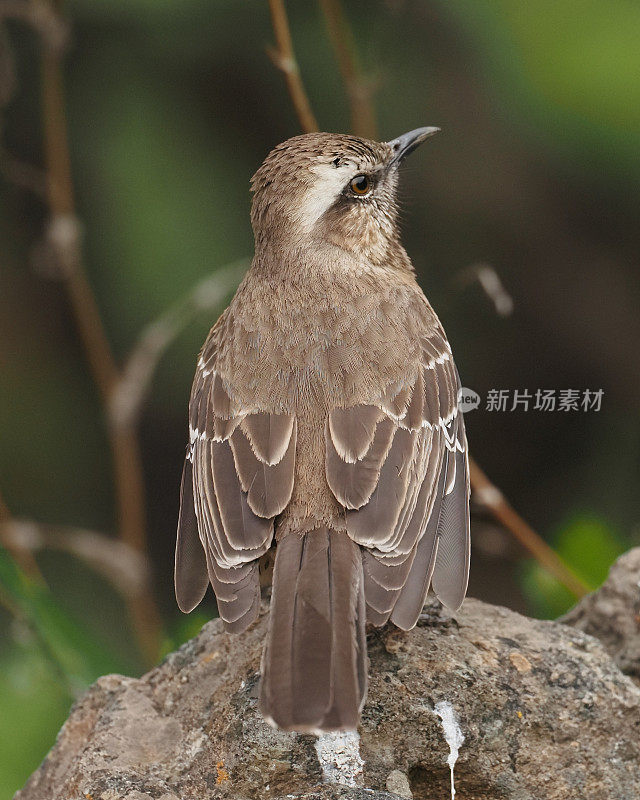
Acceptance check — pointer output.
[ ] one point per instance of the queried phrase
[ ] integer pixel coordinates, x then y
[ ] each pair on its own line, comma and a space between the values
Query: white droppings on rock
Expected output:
452, 734
339, 757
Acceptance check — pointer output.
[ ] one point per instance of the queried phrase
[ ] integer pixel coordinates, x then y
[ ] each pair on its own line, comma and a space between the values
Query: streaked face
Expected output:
323, 186
360, 212
345, 183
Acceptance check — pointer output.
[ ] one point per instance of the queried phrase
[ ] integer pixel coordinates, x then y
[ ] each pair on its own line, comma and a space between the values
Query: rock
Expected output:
545, 714
612, 614
398, 783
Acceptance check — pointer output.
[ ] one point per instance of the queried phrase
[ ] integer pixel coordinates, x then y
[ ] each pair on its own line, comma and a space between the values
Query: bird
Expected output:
324, 422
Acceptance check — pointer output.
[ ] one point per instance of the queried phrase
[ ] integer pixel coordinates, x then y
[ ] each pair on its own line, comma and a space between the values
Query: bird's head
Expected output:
323, 187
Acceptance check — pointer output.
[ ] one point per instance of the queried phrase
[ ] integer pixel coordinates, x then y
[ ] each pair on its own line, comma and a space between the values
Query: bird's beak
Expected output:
408, 142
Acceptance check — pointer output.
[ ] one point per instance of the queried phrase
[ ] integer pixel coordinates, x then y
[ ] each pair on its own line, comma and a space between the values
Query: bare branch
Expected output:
64, 235
127, 569
492, 498
490, 283
359, 90
130, 391
42, 17
284, 58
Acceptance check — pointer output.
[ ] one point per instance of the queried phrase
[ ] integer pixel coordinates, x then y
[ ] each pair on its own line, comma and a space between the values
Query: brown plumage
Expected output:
324, 420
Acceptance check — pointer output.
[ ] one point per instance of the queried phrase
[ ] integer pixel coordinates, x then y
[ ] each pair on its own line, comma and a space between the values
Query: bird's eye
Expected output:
361, 185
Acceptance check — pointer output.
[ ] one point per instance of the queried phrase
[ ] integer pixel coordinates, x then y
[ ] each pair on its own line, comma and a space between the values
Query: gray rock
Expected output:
545, 713
612, 614
398, 783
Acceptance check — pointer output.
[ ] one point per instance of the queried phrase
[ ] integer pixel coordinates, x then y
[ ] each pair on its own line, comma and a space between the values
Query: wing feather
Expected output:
352, 430
354, 483
243, 530
372, 525
191, 576
406, 503
451, 571
268, 486
238, 476
269, 434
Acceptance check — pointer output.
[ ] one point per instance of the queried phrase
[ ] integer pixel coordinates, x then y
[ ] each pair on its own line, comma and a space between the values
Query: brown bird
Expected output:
324, 420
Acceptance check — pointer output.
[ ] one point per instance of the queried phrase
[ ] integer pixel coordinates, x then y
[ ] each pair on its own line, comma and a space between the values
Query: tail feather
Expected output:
276, 697
414, 592
311, 642
314, 671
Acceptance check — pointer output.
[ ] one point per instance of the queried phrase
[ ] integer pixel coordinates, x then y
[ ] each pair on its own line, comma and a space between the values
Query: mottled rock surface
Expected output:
545, 712
612, 614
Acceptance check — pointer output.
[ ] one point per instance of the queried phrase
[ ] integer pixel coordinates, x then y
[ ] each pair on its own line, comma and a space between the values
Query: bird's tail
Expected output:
314, 667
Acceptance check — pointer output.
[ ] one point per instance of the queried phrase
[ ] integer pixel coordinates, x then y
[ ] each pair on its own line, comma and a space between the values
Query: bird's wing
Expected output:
399, 466
238, 475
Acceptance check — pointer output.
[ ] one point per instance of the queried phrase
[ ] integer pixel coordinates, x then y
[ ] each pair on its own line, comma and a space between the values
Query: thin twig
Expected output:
284, 58
128, 396
65, 237
23, 175
42, 17
25, 560
125, 568
491, 285
492, 498
359, 90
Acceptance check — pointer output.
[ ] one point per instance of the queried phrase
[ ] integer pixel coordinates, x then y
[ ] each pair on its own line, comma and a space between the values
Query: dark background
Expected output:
171, 106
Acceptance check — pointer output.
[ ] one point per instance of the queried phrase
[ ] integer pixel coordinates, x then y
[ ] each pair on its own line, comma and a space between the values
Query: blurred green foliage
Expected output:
73, 654
570, 67
171, 107
34, 705
590, 546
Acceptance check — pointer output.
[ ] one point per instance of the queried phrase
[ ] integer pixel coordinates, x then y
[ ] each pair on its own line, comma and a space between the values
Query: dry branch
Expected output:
64, 235
128, 395
284, 58
488, 495
125, 568
359, 89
